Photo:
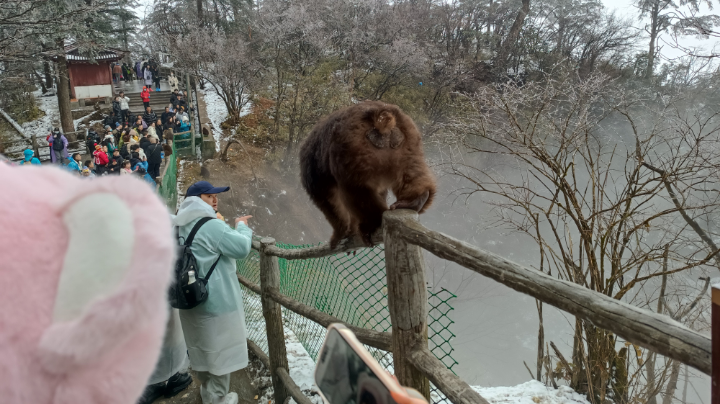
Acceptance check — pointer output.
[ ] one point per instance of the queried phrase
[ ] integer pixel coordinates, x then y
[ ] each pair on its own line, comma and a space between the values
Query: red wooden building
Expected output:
91, 79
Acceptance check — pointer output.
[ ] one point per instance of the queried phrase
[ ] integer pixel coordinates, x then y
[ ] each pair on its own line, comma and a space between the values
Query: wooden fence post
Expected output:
715, 335
407, 300
270, 280
35, 146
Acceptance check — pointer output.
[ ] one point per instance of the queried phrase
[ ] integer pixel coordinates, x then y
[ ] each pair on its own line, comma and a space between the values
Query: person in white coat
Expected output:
124, 107
173, 81
214, 330
170, 376
147, 75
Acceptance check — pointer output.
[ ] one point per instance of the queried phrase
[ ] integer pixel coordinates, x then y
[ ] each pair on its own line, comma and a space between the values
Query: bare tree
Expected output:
223, 60
667, 15
569, 172
511, 39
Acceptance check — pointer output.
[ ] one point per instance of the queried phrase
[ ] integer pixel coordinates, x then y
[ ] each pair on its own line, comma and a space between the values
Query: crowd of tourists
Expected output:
128, 143
176, 112
211, 337
148, 71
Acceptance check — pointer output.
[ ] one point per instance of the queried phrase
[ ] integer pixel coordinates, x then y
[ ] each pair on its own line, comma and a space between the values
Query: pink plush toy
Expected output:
84, 270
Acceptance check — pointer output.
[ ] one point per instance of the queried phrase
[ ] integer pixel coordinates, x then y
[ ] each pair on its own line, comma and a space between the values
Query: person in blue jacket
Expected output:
28, 153
141, 172
75, 165
140, 163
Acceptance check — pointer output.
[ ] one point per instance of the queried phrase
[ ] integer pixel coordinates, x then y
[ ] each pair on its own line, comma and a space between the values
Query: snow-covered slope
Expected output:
532, 392
43, 126
217, 112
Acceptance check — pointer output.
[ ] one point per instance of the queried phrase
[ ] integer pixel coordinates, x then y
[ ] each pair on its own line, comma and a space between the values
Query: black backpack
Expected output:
182, 295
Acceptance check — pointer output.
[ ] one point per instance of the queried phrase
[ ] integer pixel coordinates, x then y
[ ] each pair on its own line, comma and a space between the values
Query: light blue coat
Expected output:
74, 166
215, 331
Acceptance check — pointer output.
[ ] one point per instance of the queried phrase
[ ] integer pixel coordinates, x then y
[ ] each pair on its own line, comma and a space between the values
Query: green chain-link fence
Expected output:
350, 287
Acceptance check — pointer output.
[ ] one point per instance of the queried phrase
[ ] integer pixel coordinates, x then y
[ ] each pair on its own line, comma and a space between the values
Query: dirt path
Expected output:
240, 383
274, 197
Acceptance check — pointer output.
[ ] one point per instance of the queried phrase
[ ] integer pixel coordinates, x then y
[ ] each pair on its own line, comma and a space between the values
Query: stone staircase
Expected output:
158, 101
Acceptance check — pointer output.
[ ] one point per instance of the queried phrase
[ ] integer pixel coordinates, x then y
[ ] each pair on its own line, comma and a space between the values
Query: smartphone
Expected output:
346, 373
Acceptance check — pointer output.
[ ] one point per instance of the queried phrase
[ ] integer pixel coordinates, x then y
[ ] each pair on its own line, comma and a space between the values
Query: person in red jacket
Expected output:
145, 95
101, 160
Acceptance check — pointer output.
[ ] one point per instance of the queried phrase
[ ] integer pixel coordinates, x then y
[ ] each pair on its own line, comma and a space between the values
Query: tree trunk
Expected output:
672, 382
684, 393
289, 147
654, 22
650, 364
578, 368
48, 74
650, 371
200, 11
63, 90
620, 377
37, 76
126, 44
541, 342
506, 47
217, 14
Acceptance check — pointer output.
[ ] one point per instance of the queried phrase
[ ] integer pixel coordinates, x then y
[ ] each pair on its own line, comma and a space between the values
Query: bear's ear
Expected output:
100, 248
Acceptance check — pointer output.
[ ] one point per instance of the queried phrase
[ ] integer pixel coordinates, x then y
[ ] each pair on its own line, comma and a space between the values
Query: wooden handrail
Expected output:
656, 332
345, 245
454, 388
10, 142
272, 312
403, 236
259, 353
289, 383
291, 387
376, 339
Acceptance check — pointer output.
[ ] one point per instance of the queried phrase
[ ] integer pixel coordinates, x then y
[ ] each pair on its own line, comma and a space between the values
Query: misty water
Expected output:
496, 327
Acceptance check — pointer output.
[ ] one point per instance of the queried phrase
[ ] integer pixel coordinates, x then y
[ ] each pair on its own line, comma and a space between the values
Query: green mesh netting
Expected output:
350, 287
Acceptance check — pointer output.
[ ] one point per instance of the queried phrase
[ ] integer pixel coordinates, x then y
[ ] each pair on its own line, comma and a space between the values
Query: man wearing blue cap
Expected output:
215, 329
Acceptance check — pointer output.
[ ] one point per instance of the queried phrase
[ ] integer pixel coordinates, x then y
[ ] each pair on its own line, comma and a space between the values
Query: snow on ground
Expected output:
302, 366
179, 182
217, 112
532, 392
42, 127
77, 121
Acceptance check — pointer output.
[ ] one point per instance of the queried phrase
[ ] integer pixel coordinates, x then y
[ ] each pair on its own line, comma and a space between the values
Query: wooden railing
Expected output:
77, 145
413, 363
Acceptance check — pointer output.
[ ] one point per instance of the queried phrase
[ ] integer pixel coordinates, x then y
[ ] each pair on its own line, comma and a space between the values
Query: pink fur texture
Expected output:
108, 352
